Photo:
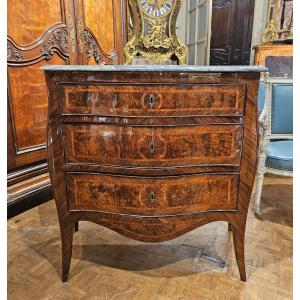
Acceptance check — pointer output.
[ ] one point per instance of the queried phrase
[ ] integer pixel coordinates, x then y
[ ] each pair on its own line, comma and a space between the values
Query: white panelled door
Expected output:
198, 31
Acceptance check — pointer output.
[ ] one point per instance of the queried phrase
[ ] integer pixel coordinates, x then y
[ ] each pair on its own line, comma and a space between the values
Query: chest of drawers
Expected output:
152, 152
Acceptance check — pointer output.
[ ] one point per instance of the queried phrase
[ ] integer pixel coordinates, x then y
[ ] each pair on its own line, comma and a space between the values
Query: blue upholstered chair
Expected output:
261, 96
275, 102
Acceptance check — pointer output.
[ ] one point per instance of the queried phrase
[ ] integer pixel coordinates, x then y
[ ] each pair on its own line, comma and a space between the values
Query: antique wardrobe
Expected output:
43, 32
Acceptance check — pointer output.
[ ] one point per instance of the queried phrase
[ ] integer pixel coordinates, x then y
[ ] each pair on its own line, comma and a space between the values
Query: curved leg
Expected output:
66, 242
76, 226
239, 249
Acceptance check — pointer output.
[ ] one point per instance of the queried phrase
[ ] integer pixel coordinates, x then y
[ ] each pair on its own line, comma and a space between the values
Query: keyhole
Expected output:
152, 197
152, 147
222, 100
151, 100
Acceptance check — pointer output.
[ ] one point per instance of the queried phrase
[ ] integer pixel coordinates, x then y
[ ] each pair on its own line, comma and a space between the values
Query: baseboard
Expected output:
28, 194
23, 174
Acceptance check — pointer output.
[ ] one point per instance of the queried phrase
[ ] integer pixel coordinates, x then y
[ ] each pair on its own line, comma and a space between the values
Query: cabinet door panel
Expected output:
99, 13
28, 103
231, 32
51, 32
99, 31
27, 19
39, 33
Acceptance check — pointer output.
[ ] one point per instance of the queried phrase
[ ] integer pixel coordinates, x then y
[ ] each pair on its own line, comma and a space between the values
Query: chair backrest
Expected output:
261, 96
282, 108
279, 106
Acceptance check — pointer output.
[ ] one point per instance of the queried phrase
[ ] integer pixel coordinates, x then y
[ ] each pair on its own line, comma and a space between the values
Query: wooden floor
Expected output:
198, 265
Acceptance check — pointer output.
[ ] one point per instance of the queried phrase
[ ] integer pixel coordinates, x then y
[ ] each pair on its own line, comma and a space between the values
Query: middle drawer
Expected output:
158, 146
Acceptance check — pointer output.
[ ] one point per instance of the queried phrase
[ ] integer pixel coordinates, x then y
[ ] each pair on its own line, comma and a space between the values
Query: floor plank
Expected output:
198, 265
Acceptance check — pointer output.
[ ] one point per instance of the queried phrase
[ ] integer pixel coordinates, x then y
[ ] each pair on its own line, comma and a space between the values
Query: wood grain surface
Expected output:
198, 265
151, 196
134, 100
154, 147
121, 202
59, 32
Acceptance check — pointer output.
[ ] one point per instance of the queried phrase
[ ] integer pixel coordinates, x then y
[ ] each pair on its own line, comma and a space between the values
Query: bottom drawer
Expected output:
152, 196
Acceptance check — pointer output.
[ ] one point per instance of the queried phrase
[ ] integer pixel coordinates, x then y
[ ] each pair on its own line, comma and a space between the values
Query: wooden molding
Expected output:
28, 188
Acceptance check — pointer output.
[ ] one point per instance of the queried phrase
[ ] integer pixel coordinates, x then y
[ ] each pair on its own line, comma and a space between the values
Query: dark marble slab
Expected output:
154, 68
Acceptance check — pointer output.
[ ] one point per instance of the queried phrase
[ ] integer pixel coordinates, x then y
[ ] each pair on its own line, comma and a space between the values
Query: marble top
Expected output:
153, 68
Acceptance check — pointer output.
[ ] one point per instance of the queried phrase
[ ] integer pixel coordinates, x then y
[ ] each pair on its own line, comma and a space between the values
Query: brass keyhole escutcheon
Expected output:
86, 99
152, 196
152, 147
151, 100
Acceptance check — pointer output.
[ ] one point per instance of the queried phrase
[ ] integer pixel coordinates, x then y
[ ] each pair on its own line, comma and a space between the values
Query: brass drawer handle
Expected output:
151, 100
151, 196
152, 147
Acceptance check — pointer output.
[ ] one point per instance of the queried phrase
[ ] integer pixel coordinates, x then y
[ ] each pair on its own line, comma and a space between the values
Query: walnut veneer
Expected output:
152, 152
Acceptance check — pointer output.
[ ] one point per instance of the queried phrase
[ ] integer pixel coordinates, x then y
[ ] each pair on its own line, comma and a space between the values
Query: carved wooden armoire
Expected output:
231, 32
43, 32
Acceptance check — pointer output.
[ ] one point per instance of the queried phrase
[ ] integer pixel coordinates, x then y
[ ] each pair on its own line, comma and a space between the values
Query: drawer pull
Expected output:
151, 196
152, 147
151, 100
87, 100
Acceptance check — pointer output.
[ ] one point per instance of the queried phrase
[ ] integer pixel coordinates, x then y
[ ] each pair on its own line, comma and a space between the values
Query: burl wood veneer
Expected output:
152, 152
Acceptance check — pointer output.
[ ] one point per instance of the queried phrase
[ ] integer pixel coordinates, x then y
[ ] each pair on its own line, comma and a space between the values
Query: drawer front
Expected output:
150, 100
148, 196
153, 146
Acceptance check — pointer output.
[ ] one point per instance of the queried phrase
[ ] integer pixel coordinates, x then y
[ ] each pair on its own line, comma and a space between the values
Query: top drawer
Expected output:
153, 100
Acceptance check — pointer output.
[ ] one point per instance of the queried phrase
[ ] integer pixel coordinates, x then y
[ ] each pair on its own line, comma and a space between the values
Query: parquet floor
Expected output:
198, 265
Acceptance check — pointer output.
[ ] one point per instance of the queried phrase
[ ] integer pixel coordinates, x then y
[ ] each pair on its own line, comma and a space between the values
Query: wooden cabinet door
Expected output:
231, 32
52, 32
39, 32
100, 28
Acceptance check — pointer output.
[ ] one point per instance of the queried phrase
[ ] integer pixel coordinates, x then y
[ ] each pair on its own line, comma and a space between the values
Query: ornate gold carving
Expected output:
280, 20
155, 36
154, 39
270, 34
72, 34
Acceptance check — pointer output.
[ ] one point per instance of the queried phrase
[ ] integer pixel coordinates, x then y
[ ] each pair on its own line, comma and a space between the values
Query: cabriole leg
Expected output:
239, 249
67, 242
